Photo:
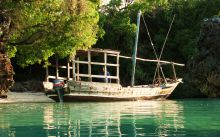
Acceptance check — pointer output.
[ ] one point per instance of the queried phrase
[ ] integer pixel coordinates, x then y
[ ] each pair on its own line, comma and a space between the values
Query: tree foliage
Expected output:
44, 28
120, 26
41, 29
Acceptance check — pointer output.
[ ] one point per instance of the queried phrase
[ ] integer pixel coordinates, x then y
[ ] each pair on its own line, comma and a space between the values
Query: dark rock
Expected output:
6, 74
28, 86
204, 68
6, 69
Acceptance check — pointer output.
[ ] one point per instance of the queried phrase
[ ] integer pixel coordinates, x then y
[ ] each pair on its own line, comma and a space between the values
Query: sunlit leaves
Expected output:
44, 28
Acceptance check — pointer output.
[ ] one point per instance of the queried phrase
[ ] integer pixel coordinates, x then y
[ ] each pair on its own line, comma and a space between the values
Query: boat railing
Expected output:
74, 63
73, 66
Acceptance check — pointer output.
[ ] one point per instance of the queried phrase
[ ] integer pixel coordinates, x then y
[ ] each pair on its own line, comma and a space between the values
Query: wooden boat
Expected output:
92, 91
87, 86
83, 87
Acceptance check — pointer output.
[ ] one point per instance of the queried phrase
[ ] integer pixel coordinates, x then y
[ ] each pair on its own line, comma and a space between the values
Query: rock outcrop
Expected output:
28, 86
205, 66
6, 75
6, 69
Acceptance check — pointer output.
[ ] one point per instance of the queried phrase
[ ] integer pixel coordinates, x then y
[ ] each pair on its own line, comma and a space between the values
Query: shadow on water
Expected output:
139, 118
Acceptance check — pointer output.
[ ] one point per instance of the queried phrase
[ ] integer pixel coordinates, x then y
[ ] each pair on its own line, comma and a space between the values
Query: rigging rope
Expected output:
166, 37
155, 53
148, 33
158, 64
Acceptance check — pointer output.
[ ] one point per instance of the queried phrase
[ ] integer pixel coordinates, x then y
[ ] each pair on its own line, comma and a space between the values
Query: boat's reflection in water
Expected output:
139, 118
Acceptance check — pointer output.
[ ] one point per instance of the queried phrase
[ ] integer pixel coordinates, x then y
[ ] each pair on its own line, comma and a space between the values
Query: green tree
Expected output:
120, 26
41, 29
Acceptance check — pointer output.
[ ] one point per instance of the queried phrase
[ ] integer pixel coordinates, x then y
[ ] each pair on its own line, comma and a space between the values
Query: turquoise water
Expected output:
183, 118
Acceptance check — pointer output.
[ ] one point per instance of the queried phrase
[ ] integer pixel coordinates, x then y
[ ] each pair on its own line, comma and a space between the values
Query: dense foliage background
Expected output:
42, 29
119, 25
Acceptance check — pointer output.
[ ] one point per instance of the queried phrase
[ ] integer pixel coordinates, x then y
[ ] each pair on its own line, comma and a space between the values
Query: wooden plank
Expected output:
68, 69
77, 71
105, 67
113, 55
73, 68
62, 67
99, 76
118, 80
81, 62
104, 51
96, 63
96, 76
89, 66
107, 64
151, 60
61, 78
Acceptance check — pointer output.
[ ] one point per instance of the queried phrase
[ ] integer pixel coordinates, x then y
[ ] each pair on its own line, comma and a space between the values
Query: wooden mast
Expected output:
135, 49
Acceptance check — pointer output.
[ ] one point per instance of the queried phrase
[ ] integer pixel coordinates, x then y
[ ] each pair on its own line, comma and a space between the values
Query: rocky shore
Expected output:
26, 91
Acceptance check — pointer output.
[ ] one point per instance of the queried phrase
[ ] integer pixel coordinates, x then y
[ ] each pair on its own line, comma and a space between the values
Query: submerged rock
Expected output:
204, 68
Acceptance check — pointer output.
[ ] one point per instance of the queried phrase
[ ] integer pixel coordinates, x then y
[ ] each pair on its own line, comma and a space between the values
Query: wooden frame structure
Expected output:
75, 66
81, 87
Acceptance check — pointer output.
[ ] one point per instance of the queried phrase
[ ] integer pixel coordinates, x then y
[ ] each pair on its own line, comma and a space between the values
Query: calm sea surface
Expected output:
187, 118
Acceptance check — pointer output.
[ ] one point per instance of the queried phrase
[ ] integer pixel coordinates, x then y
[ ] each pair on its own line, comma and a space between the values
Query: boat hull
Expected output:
91, 98
102, 92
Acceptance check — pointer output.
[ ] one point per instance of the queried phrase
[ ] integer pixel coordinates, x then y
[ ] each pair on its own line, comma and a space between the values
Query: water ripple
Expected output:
139, 118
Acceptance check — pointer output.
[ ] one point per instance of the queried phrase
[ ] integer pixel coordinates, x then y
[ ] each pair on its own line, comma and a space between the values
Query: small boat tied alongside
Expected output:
83, 83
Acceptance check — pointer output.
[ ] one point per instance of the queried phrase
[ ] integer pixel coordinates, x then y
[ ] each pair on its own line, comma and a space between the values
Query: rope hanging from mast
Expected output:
148, 33
167, 36
158, 68
161, 52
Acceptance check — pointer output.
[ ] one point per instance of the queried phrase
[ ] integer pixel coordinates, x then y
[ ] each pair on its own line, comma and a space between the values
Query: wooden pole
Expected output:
135, 50
152, 60
68, 69
89, 66
57, 68
174, 72
73, 68
77, 65
105, 66
118, 79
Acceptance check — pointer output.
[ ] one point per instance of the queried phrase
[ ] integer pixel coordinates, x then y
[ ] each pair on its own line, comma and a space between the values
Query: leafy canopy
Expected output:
120, 26
44, 28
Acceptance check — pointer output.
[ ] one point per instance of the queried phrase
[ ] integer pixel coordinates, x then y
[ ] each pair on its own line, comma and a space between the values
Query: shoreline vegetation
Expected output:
40, 31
